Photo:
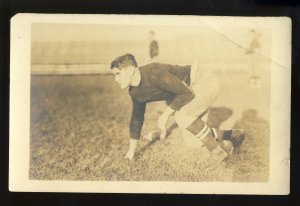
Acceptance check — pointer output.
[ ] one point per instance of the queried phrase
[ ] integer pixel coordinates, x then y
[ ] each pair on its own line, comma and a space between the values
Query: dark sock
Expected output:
196, 126
226, 134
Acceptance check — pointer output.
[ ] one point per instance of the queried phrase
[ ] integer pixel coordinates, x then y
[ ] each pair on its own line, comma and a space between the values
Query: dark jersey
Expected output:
153, 49
159, 82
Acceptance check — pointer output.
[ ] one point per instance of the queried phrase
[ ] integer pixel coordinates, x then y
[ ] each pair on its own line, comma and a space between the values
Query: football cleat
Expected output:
227, 146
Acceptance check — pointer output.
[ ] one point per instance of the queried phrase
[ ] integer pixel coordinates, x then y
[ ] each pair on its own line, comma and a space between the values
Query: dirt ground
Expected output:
79, 131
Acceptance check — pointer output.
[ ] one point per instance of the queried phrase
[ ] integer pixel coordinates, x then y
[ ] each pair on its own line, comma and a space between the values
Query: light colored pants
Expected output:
205, 86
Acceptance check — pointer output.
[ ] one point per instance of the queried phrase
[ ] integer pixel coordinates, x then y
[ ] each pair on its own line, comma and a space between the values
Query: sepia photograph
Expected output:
151, 104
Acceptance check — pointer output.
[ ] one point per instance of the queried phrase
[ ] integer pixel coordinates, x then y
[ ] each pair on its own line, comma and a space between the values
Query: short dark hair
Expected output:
123, 61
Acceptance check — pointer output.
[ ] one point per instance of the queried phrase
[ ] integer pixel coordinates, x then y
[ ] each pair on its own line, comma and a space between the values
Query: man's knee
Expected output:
193, 123
182, 120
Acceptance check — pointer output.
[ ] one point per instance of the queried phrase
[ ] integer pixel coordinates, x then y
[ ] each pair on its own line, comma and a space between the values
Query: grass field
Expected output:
79, 131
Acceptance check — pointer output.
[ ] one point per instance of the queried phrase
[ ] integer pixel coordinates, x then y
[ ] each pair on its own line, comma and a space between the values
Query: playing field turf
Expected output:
79, 131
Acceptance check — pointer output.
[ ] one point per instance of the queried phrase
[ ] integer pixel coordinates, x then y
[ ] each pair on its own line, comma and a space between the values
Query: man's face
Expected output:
123, 76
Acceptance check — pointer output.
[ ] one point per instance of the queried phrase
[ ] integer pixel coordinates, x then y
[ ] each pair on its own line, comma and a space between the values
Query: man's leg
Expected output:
190, 118
212, 137
196, 133
199, 134
199, 130
203, 133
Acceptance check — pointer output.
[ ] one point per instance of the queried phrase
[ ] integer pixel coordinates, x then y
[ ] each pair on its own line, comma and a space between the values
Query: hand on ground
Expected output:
129, 155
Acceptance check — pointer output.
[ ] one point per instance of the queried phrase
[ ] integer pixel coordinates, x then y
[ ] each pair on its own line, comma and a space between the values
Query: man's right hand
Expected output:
129, 155
132, 145
163, 118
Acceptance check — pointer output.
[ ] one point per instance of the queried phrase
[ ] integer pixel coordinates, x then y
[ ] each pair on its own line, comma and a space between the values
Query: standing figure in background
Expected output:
255, 51
153, 51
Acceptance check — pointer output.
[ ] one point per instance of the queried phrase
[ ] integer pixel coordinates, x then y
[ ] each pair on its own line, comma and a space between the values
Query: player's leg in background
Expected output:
255, 79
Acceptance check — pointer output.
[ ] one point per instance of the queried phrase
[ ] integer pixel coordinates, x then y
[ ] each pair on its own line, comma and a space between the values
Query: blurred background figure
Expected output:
255, 60
153, 49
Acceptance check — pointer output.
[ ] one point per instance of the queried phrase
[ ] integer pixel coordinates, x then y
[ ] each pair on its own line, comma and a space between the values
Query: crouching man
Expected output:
189, 92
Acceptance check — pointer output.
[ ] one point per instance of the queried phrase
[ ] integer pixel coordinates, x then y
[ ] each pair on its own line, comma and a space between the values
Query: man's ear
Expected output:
132, 68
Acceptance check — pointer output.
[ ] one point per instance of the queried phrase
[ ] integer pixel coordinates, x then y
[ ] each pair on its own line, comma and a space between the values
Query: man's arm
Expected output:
137, 119
135, 127
169, 82
183, 95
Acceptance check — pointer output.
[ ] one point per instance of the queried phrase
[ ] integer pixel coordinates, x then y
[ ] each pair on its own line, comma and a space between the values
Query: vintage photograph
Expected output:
176, 99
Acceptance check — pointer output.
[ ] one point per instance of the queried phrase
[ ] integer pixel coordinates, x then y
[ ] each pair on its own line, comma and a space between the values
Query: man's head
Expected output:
255, 33
123, 68
151, 35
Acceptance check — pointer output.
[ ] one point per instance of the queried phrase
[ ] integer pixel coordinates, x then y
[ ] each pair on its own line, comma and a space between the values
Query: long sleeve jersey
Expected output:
159, 82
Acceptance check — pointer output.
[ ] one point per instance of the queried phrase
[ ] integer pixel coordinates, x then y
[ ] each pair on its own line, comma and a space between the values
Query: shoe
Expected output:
227, 146
237, 137
215, 158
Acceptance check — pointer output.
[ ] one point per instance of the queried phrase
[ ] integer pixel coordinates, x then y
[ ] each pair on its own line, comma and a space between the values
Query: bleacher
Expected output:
209, 49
